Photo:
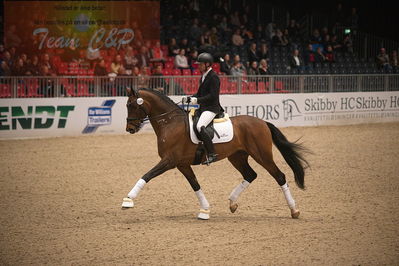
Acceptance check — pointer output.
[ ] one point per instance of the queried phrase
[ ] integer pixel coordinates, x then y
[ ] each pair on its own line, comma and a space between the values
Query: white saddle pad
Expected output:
224, 129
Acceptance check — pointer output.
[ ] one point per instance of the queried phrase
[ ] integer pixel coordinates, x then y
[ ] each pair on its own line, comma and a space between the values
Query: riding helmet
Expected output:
205, 58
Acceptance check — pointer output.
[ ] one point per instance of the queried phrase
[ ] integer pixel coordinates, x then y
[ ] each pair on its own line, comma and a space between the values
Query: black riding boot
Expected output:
208, 146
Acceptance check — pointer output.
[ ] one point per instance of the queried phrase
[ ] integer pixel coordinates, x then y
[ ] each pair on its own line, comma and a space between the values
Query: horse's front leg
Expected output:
187, 171
163, 166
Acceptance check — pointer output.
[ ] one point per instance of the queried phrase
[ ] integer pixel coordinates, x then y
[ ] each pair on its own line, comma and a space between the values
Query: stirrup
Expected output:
210, 159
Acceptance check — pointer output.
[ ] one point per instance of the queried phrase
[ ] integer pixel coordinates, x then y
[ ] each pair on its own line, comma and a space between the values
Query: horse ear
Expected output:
129, 91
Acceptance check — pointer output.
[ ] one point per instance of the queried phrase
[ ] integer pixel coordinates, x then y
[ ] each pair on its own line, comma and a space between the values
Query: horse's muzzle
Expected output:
131, 129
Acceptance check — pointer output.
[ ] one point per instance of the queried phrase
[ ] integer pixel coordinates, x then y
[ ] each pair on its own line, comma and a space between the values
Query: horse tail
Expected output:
291, 153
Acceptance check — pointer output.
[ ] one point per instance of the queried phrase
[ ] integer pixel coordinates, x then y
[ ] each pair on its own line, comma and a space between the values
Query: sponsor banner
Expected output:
52, 117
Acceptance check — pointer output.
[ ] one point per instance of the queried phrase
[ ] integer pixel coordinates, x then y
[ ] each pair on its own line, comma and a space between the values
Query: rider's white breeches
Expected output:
204, 120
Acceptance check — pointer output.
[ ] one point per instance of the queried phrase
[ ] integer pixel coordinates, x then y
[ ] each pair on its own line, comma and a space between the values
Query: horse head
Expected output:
136, 111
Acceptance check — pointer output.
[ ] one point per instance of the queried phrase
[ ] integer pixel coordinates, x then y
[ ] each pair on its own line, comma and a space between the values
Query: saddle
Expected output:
210, 129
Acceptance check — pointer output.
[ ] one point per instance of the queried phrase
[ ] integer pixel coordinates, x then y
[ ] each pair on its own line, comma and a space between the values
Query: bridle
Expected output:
147, 116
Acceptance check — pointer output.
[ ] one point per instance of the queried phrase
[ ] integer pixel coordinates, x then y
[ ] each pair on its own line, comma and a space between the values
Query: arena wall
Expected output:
55, 117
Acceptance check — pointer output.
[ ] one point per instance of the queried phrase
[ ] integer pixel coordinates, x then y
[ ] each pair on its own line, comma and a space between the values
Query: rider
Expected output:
207, 97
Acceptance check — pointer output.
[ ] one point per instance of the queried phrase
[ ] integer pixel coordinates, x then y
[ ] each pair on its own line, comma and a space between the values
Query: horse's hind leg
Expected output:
265, 158
240, 161
187, 171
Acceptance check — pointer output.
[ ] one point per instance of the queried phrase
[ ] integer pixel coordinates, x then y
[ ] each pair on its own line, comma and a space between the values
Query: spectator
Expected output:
237, 69
293, 30
117, 65
214, 36
264, 52
157, 53
236, 39
394, 61
47, 86
33, 68
225, 65
295, 60
319, 56
309, 55
253, 54
100, 69
259, 33
337, 47
93, 55
279, 39
143, 57
253, 69
348, 44
143, 78
192, 59
157, 81
326, 41
195, 33
263, 67
235, 19
246, 34
315, 38
330, 56
5, 68
383, 60
184, 45
19, 68
173, 49
206, 41
181, 61
7, 59
130, 60
46, 62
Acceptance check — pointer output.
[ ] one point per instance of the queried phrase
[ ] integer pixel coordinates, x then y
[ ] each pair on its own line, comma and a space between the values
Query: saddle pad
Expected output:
224, 129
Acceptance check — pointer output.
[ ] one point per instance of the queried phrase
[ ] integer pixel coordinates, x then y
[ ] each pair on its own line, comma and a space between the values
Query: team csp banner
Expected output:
52, 117
35, 26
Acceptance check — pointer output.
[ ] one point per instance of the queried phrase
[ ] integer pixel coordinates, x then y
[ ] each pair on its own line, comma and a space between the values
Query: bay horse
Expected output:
252, 137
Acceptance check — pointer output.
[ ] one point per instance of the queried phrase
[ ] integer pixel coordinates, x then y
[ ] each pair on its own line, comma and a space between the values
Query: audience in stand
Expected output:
237, 69
319, 55
263, 67
394, 61
225, 65
181, 61
100, 69
383, 60
253, 69
329, 54
296, 62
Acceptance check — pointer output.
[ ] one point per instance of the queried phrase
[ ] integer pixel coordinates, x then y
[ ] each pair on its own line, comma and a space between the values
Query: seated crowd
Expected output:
241, 46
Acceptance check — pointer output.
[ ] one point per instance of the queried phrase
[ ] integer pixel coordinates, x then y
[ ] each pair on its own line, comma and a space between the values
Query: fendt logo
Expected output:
34, 117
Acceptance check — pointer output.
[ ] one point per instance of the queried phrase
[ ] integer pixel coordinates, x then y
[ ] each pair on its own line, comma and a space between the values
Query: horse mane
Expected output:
162, 96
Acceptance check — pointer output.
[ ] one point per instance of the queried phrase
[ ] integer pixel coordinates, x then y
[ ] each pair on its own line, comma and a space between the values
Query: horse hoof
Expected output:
203, 214
127, 203
233, 207
295, 214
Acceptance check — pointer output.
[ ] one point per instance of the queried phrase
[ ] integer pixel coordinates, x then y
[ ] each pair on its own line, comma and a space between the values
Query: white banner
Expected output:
52, 117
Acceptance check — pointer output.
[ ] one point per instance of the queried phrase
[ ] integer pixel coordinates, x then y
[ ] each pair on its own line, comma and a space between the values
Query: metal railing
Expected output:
72, 86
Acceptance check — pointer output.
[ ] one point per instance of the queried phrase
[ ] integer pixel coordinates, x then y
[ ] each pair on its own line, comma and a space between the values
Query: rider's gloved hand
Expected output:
193, 100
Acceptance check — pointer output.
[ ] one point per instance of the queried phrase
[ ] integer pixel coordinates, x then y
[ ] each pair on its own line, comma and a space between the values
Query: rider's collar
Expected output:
206, 73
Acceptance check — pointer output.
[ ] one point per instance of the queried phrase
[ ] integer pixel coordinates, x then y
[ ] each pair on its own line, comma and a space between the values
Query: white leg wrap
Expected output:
202, 200
238, 190
136, 189
288, 196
